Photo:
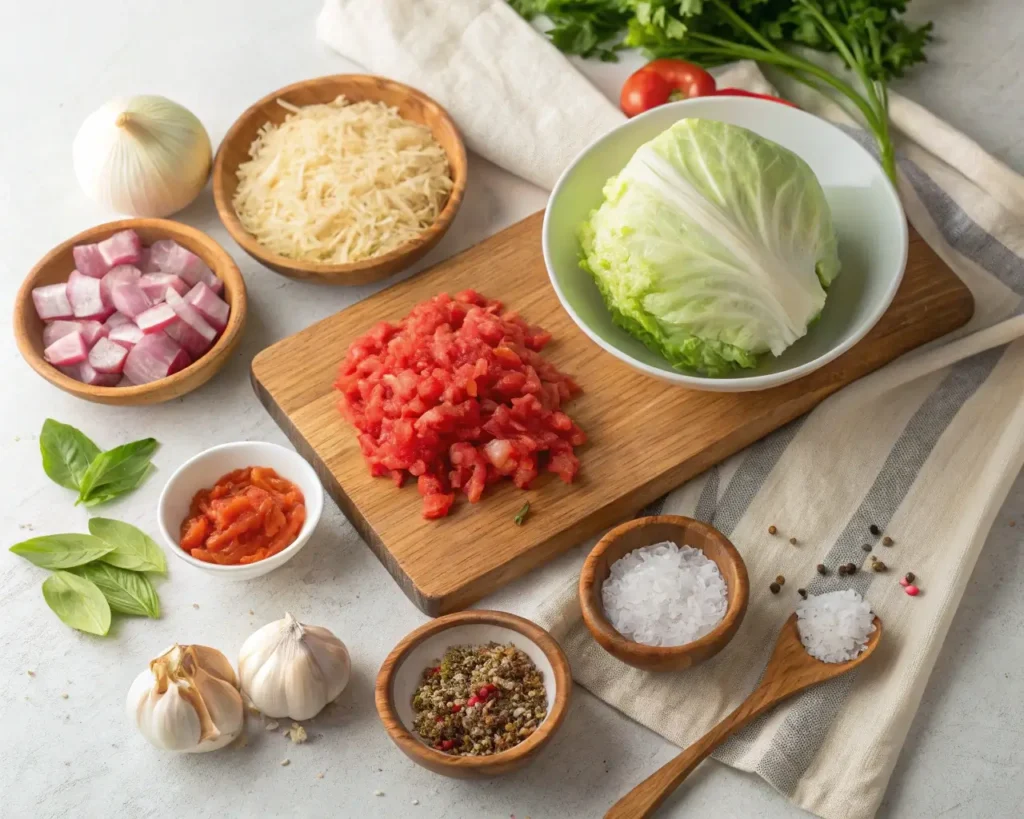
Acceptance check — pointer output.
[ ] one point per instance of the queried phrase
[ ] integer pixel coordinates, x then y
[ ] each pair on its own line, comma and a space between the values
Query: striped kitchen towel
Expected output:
925, 448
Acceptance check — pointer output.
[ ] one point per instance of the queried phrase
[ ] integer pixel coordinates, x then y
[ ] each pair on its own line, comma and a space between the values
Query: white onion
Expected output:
142, 156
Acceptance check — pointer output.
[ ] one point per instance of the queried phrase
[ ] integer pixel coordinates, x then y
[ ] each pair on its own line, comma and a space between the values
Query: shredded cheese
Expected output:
341, 182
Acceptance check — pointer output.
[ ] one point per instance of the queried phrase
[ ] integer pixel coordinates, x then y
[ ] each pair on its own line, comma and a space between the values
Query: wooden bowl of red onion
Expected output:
132, 312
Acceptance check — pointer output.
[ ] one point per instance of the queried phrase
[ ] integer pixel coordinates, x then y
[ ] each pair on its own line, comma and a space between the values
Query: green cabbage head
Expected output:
713, 246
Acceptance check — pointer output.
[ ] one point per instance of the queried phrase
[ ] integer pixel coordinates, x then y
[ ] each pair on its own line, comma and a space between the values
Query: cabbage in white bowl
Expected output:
713, 246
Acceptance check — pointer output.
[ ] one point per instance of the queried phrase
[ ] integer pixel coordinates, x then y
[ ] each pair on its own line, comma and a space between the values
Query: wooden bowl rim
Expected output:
429, 757
601, 627
331, 273
189, 237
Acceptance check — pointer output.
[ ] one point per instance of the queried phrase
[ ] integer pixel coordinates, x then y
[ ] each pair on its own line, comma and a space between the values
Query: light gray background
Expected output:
77, 756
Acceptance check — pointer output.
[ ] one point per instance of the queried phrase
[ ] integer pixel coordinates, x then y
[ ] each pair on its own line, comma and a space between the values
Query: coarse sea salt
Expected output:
834, 627
664, 595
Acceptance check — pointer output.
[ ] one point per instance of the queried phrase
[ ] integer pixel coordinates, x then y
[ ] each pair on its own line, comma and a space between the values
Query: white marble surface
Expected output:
77, 756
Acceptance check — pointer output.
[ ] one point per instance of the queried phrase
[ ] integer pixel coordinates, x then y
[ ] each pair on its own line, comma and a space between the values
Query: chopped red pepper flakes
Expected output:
247, 516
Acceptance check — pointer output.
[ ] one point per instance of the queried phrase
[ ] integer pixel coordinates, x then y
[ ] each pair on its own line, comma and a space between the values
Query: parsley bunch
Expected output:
870, 36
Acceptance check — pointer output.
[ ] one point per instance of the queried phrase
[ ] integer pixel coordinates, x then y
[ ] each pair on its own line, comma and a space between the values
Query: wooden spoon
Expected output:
790, 670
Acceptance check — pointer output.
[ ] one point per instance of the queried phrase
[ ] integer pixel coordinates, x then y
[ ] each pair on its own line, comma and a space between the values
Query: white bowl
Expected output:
203, 471
865, 209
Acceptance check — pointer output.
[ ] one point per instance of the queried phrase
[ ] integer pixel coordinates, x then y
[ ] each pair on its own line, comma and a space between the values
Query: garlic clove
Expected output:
170, 722
332, 658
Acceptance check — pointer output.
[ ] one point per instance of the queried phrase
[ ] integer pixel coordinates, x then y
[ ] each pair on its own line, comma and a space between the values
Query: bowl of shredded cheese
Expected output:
344, 179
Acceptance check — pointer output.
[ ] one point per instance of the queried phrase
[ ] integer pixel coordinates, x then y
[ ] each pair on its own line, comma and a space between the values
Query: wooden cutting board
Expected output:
646, 436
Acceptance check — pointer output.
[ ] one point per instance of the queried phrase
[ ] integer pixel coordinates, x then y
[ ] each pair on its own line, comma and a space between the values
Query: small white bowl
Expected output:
204, 470
866, 212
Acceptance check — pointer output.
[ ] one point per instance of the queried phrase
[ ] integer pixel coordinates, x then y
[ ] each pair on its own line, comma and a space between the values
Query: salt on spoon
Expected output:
790, 670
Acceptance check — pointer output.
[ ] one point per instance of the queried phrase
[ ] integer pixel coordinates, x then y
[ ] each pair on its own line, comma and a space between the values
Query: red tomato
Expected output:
739, 92
663, 81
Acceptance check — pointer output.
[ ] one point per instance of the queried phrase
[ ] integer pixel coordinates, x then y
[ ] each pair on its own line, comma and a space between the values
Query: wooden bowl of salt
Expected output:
648, 531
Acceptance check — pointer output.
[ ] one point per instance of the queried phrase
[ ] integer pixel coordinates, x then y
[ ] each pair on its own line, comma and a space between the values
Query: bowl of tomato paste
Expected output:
240, 510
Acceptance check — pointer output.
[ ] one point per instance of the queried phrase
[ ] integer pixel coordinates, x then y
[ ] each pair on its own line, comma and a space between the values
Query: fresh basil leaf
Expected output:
116, 471
127, 592
110, 491
62, 551
132, 548
78, 602
67, 453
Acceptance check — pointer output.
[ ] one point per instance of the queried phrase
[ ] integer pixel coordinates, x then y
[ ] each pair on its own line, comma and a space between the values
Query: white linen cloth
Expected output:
926, 448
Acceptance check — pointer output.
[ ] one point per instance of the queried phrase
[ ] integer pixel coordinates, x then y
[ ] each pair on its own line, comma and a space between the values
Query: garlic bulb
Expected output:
144, 156
187, 700
293, 670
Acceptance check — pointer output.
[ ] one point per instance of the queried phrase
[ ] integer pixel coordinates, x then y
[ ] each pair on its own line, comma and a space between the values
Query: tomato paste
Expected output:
248, 515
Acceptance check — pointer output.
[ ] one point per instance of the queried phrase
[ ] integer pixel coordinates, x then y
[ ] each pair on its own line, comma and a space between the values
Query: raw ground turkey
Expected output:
458, 396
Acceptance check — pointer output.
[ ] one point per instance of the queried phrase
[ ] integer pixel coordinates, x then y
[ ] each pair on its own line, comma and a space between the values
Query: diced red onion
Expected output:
51, 302
118, 319
86, 298
155, 285
124, 247
188, 314
127, 335
156, 319
209, 305
93, 331
85, 373
107, 357
125, 382
145, 263
170, 257
195, 343
130, 299
59, 329
122, 274
156, 356
90, 261
68, 350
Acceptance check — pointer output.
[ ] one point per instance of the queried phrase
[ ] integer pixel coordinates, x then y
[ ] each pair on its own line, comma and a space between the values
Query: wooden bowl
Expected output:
400, 674
644, 532
57, 265
411, 105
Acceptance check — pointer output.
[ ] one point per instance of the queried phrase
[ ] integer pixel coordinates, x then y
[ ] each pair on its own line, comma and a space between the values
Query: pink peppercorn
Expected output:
904, 582
912, 590
456, 708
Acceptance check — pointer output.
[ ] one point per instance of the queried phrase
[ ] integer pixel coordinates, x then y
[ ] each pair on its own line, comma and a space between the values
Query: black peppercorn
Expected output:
910, 576
792, 541
874, 530
842, 569
821, 569
802, 593
775, 588
851, 568
887, 541
866, 547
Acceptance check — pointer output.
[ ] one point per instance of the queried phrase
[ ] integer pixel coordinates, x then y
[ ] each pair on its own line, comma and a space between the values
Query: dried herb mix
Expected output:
479, 700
